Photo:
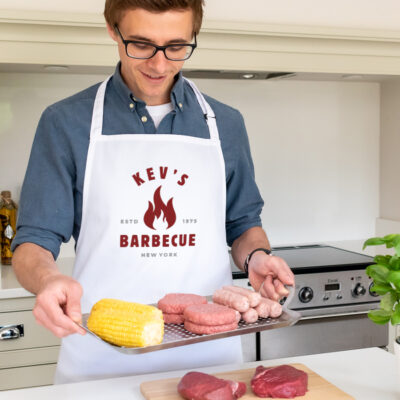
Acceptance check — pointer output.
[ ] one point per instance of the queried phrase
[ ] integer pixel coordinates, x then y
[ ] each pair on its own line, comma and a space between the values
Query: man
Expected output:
152, 180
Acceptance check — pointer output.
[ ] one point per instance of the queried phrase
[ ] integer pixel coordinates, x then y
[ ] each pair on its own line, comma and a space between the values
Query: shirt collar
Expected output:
127, 96
120, 86
177, 92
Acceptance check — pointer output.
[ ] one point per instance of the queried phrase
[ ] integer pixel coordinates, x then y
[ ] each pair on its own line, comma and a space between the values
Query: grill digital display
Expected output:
332, 286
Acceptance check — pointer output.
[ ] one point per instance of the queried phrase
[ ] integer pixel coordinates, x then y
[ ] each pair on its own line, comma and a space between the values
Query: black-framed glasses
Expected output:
144, 50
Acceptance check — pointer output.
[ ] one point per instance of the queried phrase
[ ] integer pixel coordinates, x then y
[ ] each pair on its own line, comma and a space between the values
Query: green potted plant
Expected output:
385, 274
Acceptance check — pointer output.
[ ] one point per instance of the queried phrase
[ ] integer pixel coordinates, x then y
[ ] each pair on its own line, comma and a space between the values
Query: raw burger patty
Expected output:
210, 314
175, 303
207, 329
283, 381
173, 318
199, 386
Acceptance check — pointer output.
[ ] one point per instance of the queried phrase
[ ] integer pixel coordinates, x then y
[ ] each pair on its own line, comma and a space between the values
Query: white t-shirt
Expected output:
157, 113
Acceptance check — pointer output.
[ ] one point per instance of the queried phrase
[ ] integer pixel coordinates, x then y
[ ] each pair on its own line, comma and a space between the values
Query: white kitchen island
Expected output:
366, 374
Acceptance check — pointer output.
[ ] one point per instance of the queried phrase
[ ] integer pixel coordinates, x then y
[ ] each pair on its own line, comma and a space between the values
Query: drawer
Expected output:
17, 378
28, 357
34, 334
17, 304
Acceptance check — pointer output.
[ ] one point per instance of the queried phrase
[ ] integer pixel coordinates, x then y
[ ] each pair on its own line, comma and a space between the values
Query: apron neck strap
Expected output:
96, 128
207, 111
97, 116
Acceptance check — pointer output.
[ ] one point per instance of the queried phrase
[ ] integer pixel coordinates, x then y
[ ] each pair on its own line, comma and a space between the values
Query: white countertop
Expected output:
366, 374
14, 293
10, 287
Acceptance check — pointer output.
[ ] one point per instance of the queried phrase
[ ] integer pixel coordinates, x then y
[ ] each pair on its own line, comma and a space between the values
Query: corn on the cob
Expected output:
126, 324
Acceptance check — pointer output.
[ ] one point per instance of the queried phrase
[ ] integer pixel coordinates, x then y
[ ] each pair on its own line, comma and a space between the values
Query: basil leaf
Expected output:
392, 240
395, 320
390, 237
381, 288
394, 277
383, 260
373, 242
379, 273
388, 301
381, 317
394, 263
396, 239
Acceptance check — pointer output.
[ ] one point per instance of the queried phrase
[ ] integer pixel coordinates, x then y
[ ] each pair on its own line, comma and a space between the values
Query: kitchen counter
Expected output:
13, 293
365, 374
10, 287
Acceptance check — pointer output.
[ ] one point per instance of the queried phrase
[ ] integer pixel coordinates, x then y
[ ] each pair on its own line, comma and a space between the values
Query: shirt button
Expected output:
144, 118
180, 105
131, 106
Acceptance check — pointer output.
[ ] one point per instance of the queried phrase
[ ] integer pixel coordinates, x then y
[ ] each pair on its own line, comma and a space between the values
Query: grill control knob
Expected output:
306, 294
359, 290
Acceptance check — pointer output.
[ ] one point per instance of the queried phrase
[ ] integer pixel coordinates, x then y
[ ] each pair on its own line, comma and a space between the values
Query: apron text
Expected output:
162, 174
181, 240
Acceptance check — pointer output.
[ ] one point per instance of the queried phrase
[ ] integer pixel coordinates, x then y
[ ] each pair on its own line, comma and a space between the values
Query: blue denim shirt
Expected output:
51, 198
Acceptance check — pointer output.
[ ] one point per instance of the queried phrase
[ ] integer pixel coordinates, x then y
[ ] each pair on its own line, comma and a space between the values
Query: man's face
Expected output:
151, 80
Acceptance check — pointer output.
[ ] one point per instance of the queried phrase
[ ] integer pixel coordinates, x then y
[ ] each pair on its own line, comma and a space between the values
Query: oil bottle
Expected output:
8, 222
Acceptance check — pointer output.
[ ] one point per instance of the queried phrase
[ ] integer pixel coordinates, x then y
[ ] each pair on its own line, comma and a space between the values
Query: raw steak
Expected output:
199, 386
283, 381
175, 303
209, 329
210, 314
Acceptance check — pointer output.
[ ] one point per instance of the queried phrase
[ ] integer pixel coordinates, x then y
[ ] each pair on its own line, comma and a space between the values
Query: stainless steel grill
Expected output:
333, 295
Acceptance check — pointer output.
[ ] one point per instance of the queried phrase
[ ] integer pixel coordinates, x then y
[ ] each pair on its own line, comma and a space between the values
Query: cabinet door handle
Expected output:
11, 332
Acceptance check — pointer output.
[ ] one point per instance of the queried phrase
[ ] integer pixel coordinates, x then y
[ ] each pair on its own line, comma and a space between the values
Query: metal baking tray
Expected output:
176, 335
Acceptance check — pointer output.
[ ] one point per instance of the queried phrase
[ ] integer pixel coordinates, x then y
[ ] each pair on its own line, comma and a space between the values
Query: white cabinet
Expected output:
80, 41
28, 360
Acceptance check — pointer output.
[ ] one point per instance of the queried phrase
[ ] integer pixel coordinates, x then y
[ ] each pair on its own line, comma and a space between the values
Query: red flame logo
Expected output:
159, 208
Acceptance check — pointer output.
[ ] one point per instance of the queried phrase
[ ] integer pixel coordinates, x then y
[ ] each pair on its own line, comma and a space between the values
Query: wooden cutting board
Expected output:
318, 387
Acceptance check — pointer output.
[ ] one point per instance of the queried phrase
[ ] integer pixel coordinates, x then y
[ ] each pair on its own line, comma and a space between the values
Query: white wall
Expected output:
315, 147
389, 152
23, 97
316, 152
372, 14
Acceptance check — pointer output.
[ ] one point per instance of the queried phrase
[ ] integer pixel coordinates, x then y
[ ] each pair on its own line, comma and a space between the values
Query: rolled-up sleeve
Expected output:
243, 201
46, 212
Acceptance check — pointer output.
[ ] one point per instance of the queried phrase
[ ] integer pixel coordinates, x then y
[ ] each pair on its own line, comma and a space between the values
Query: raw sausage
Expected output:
250, 316
254, 297
275, 309
263, 309
230, 299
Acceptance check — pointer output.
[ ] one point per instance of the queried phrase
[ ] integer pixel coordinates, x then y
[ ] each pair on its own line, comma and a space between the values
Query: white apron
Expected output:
153, 222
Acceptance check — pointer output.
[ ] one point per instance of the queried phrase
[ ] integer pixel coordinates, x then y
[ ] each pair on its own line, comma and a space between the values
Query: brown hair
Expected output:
114, 9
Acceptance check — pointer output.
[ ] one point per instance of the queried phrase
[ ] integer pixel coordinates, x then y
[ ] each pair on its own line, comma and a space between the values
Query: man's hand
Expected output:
57, 296
58, 307
268, 274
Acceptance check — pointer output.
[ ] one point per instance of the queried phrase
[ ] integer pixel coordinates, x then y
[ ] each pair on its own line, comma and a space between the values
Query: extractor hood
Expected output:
247, 75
